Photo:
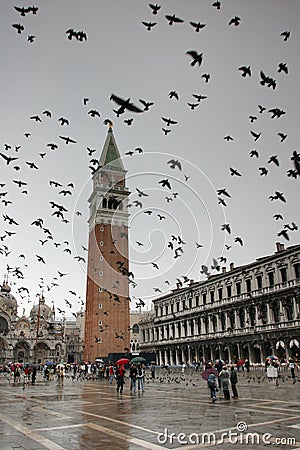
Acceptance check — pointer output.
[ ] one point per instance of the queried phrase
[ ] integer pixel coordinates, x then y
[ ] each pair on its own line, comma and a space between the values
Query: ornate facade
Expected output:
248, 312
39, 337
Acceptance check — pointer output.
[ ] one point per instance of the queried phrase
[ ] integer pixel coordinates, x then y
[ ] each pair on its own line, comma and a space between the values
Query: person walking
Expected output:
225, 381
133, 376
292, 367
212, 386
111, 373
234, 380
219, 366
33, 374
153, 371
120, 374
141, 377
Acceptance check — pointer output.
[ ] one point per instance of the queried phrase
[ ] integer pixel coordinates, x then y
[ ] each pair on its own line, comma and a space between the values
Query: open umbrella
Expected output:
207, 372
271, 357
138, 359
122, 361
49, 363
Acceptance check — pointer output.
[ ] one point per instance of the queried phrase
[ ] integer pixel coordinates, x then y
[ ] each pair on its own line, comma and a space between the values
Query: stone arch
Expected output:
22, 352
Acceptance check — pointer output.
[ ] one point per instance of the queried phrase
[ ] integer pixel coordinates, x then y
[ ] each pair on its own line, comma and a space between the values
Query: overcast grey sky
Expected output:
121, 57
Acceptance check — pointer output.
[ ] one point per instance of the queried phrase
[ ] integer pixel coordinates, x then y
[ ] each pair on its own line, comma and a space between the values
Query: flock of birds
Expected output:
20, 169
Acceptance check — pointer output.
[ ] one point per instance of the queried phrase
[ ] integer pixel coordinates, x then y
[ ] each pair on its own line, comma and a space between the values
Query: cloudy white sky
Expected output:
121, 57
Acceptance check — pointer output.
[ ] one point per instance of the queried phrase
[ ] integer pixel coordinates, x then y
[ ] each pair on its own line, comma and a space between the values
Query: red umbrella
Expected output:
122, 361
207, 372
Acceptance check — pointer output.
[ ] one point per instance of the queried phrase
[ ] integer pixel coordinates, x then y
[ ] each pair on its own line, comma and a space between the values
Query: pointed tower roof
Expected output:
110, 154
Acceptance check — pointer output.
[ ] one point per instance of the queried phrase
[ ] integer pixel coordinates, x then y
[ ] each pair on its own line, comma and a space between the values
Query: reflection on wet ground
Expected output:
174, 412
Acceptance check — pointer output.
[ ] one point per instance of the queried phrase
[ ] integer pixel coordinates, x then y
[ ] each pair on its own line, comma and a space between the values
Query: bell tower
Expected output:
107, 318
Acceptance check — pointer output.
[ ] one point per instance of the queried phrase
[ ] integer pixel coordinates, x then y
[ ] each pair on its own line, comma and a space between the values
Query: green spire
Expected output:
110, 153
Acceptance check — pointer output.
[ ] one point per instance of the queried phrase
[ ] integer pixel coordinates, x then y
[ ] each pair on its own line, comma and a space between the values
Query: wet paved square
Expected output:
174, 412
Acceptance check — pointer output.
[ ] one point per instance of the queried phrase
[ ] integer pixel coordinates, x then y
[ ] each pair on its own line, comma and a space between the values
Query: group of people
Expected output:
222, 377
136, 376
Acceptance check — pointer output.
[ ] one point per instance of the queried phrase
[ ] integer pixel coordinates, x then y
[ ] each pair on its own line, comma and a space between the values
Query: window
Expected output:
271, 278
283, 273
238, 288
135, 328
259, 281
101, 228
248, 285
100, 273
190, 303
178, 306
100, 304
204, 298
297, 270
220, 293
100, 323
212, 296
101, 258
228, 291
197, 300
101, 243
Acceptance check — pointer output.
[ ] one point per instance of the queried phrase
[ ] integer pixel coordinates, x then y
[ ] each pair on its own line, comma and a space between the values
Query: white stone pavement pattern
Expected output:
174, 412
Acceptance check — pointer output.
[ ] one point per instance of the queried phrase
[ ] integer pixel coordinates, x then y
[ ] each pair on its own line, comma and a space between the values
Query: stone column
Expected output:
268, 313
295, 309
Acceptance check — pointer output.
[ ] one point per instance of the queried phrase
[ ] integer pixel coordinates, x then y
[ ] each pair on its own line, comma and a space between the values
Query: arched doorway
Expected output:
280, 350
21, 352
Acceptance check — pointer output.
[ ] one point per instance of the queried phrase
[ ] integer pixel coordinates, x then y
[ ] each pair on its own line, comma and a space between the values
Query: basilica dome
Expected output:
41, 309
8, 302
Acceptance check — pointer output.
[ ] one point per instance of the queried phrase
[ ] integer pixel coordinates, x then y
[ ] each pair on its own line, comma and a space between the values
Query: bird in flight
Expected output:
235, 21
197, 25
125, 104
174, 163
149, 25
282, 136
8, 159
173, 94
165, 183
52, 145
18, 27
286, 35
217, 4
197, 57
173, 19
155, 8
265, 80
246, 70
169, 121
68, 140
146, 104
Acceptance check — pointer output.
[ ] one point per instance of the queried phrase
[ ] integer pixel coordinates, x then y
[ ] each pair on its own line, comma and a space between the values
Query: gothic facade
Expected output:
248, 312
40, 337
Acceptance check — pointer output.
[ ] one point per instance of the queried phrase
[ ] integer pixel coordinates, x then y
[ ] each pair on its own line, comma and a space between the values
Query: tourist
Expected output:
133, 376
141, 377
219, 366
33, 374
120, 374
233, 380
225, 381
153, 371
111, 373
212, 386
292, 367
